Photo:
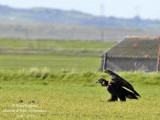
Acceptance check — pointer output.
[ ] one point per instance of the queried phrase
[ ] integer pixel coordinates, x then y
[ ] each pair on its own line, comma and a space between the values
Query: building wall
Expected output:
132, 64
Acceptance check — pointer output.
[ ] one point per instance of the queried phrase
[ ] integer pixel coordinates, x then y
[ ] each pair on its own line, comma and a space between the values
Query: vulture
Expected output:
118, 87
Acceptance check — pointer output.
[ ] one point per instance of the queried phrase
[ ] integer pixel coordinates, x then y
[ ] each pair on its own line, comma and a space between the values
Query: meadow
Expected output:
59, 84
42, 94
55, 55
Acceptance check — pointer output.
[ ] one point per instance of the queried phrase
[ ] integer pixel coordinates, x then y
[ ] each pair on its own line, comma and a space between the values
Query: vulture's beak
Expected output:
97, 81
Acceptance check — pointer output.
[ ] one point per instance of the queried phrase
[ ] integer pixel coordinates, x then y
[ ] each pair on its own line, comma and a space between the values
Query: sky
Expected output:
146, 9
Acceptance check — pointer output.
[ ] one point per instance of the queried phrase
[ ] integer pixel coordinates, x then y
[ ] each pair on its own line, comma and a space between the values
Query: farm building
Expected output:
133, 54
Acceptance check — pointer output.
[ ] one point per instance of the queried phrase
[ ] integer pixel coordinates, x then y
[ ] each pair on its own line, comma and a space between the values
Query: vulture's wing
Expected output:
120, 81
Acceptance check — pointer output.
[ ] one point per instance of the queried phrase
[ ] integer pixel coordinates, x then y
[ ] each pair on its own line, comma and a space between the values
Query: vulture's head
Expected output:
102, 81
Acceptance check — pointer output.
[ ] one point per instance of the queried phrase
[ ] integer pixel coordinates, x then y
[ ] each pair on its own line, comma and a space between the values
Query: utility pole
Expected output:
137, 15
26, 33
102, 7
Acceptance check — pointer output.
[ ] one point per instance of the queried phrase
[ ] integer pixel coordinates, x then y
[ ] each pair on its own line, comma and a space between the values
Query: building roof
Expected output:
136, 47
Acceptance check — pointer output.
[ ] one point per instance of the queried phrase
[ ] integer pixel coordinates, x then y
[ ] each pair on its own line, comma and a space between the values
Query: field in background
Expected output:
55, 55
54, 62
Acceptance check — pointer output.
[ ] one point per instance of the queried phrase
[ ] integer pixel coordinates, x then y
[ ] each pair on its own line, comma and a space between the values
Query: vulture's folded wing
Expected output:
119, 80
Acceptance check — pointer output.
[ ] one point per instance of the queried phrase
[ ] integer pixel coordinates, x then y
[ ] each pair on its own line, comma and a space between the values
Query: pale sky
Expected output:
148, 9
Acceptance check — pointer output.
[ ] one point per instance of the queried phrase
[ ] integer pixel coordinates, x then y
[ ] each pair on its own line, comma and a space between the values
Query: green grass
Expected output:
67, 55
54, 46
55, 80
53, 54
54, 62
19, 44
74, 96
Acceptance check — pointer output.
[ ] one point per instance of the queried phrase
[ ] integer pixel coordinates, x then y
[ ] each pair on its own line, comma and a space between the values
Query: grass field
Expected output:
56, 55
20, 44
54, 62
59, 84
74, 96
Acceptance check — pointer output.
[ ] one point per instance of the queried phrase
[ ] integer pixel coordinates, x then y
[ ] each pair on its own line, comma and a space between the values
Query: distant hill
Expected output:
56, 16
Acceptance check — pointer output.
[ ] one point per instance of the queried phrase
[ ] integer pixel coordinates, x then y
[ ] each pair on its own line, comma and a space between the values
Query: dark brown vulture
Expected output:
117, 87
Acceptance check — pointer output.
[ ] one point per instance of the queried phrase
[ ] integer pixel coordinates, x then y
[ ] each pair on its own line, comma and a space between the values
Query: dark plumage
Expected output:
116, 91
116, 87
120, 81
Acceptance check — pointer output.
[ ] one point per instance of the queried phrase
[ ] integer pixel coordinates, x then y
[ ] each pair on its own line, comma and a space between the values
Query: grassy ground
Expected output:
54, 62
20, 44
74, 96
59, 84
56, 55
